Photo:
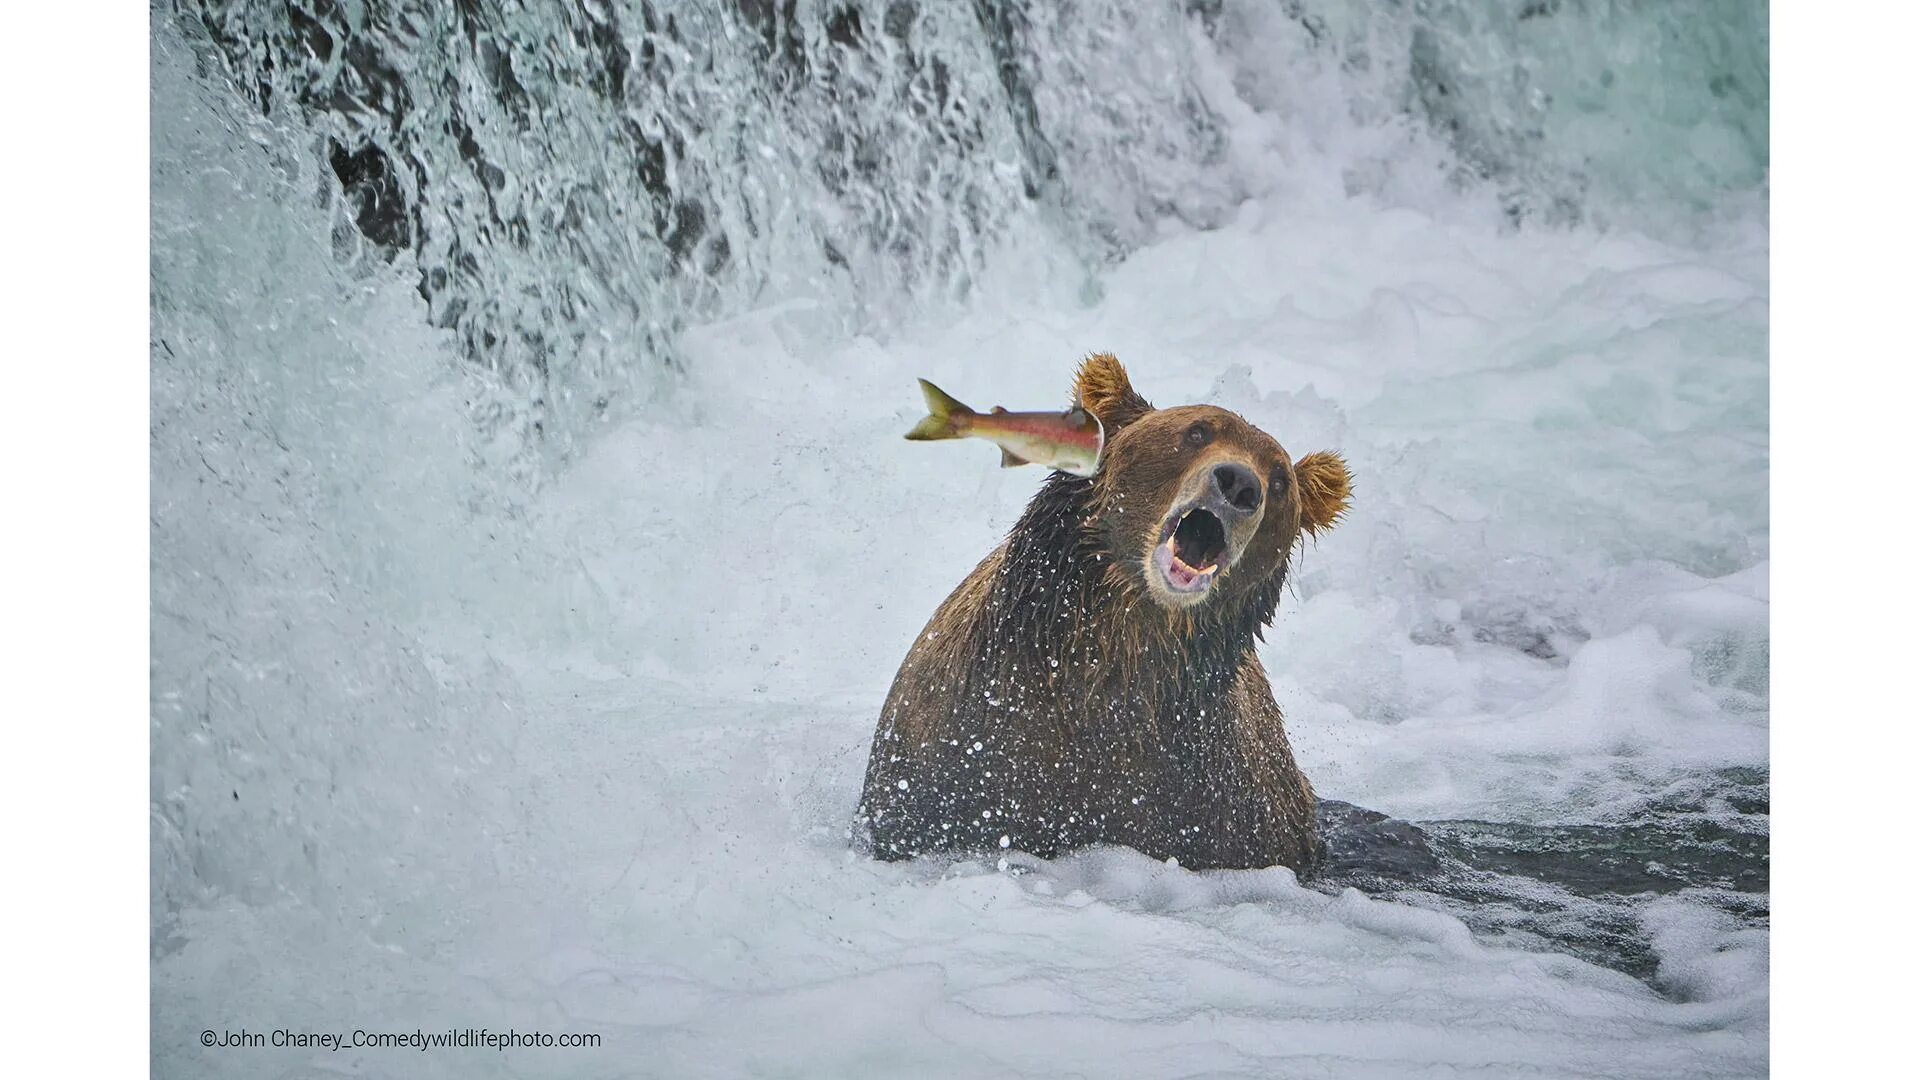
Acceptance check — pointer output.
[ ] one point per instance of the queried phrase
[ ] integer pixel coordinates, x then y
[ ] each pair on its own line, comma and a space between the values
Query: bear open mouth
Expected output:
1189, 557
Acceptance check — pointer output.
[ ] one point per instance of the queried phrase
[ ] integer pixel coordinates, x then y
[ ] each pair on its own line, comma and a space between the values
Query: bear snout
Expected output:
1238, 491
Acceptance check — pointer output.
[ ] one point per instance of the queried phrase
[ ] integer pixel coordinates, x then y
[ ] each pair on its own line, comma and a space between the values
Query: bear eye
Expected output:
1198, 434
1278, 485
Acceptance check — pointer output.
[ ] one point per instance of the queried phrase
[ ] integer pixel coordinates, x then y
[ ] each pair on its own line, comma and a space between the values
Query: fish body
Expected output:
1070, 441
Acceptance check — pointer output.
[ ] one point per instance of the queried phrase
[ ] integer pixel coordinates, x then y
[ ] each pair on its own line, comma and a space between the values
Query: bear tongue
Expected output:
1182, 574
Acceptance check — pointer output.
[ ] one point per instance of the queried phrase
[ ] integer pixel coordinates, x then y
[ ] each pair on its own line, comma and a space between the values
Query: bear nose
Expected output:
1237, 485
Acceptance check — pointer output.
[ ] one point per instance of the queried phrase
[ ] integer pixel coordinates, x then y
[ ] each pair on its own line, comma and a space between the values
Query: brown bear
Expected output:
1094, 679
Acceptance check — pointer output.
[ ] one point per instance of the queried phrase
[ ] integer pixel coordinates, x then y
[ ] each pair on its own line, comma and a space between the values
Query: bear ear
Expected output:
1325, 490
1101, 387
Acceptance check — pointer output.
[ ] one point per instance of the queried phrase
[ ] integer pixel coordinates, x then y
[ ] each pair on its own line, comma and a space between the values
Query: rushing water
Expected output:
579, 181
533, 542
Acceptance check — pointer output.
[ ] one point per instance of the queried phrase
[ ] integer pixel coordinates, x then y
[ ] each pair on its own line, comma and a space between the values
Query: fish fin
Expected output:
1011, 460
942, 413
998, 409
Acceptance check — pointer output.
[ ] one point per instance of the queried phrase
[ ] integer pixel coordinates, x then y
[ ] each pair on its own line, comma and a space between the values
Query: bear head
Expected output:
1194, 509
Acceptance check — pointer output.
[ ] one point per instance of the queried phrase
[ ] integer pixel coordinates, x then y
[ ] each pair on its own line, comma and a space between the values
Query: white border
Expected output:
73, 774
1843, 497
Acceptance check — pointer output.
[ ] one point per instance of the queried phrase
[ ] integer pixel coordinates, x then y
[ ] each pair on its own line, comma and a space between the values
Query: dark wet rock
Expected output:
372, 189
1577, 888
1366, 848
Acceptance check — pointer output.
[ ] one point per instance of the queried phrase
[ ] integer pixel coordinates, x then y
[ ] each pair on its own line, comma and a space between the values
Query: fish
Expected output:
1070, 441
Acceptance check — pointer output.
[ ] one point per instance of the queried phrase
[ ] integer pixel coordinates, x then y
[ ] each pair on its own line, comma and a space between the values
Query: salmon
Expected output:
1070, 441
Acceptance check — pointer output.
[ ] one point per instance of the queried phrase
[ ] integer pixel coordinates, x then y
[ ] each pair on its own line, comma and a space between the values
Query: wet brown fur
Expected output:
1054, 701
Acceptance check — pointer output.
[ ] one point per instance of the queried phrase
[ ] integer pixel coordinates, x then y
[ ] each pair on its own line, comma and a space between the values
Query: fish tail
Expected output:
945, 416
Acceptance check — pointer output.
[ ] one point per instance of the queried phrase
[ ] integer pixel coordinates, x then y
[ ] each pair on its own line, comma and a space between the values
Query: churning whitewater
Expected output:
534, 543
